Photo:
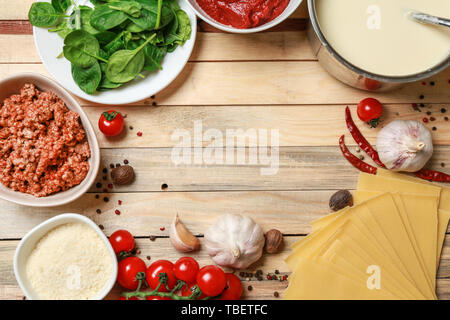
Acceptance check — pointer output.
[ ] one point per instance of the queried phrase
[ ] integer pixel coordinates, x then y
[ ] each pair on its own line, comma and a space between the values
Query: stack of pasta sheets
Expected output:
387, 246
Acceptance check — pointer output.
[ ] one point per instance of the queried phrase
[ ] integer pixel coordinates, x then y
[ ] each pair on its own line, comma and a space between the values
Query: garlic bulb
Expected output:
234, 241
405, 145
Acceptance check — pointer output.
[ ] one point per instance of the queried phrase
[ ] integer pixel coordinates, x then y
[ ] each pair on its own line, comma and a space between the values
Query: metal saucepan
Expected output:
348, 73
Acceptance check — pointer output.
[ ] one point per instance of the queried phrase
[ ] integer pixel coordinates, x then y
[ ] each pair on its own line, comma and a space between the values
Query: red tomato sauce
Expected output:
243, 14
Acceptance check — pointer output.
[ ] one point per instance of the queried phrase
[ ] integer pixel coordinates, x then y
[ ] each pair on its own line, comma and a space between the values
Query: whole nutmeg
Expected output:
122, 175
340, 200
274, 239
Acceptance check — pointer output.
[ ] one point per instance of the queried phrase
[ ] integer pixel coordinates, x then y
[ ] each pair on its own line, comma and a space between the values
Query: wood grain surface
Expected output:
270, 81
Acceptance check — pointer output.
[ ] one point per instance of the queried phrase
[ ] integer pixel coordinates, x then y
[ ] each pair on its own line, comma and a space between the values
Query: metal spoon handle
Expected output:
426, 18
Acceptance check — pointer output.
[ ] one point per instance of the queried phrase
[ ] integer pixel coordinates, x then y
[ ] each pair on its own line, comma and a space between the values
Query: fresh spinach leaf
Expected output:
105, 18
125, 65
61, 6
88, 79
81, 48
153, 57
105, 84
42, 14
131, 8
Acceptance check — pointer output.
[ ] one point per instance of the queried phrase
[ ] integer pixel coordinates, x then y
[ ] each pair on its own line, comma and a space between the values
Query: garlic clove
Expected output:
181, 238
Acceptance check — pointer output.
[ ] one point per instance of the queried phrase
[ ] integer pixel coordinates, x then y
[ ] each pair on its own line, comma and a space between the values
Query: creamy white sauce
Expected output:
379, 37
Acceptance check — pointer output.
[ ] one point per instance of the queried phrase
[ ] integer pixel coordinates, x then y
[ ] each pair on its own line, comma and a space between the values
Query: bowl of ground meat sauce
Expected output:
49, 154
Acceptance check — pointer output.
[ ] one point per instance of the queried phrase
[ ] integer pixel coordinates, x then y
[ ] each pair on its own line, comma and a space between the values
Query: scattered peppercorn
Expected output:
98, 185
153, 97
422, 105
432, 119
111, 166
117, 212
241, 274
152, 238
434, 128
432, 83
101, 227
443, 110
443, 165
131, 128
429, 113
98, 211
361, 157
117, 165
105, 170
277, 272
446, 118
138, 252
106, 199
421, 97
154, 103
250, 288
97, 196
125, 161
276, 294
149, 258
164, 186
104, 178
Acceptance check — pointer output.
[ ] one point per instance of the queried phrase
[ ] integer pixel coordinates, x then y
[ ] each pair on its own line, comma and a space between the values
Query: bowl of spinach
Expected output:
113, 51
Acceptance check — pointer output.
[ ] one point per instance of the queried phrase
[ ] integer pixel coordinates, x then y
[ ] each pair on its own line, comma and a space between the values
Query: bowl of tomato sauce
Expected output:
244, 16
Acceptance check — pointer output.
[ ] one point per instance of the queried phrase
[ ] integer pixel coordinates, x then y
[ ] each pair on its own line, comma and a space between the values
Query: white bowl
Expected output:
292, 6
30, 240
12, 85
49, 45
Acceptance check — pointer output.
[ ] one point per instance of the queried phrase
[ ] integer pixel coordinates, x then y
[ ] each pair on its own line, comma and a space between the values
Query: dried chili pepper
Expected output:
360, 140
355, 161
433, 175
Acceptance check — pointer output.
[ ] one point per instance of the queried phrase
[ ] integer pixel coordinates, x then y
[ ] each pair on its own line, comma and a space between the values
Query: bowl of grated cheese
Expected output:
65, 258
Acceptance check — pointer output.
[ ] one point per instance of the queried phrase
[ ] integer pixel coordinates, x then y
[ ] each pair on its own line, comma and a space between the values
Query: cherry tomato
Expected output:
131, 298
186, 269
187, 291
370, 110
233, 290
128, 269
157, 298
211, 280
156, 268
122, 240
111, 123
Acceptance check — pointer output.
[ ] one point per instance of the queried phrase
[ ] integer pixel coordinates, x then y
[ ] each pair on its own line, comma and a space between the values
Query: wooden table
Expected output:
267, 81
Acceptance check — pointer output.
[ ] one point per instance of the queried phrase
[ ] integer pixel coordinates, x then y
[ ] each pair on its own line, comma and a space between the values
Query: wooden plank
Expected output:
269, 83
144, 214
18, 10
300, 168
162, 249
209, 47
15, 27
297, 125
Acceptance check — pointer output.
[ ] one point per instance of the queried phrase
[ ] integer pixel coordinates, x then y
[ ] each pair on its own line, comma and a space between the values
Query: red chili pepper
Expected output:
360, 140
355, 161
432, 175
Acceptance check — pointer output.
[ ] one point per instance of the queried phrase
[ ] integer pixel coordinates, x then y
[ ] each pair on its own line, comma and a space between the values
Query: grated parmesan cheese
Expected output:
71, 262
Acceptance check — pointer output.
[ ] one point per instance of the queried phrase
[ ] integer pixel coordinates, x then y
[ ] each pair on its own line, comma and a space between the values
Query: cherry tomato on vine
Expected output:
211, 280
122, 241
157, 298
111, 123
128, 270
370, 110
155, 269
186, 269
233, 290
131, 298
188, 290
